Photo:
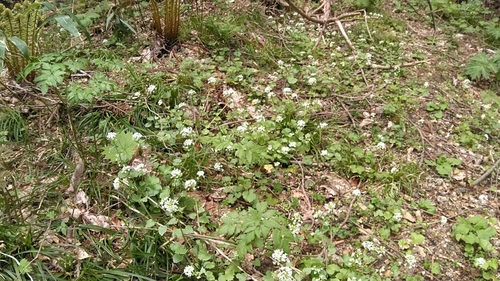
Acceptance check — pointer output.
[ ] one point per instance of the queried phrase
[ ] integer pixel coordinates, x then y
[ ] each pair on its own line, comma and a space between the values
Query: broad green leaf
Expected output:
66, 22
162, 229
20, 45
80, 24
417, 238
479, 66
435, 268
150, 223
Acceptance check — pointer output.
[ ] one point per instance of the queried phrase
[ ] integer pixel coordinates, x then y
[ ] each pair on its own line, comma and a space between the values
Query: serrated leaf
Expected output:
479, 66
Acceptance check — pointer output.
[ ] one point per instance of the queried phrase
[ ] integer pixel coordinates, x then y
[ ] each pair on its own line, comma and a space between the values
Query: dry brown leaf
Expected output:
77, 176
81, 254
81, 198
98, 220
409, 217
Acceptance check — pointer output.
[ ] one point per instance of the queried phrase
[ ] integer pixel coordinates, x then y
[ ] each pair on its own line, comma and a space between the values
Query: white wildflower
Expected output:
322, 125
116, 183
136, 136
330, 207
380, 145
279, 257
190, 184
188, 143
285, 149
151, 88
279, 118
211, 80
186, 131
324, 152
218, 166
200, 174
160, 102
111, 135
479, 262
356, 192
311, 81
239, 78
189, 270
176, 173
268, 89
301, 124
191, 92
169, 205
411, 261
292, 144
397, 216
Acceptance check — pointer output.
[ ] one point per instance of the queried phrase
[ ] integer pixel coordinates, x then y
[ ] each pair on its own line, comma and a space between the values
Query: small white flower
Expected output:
380, 145
287, 90
189, 270
211, 80
279, 257
261, 129
285, 273
324, 152
466, 83
330, 207
411, 261
116, 183
188, 143
479, 262
186, 131
483, 198
190, 184
277, 164
280, 63
268, 89
279, 118
397, 216
322, 125
169, 205
176, 173
111, 135
136, 95
191, 92
311, 81
294, 96
285, 149
255, 101
239, 78
242, 128
160, 102
292, 144
356, 192
229, 92
444, 220
301, 124
218, 166
200, 174
136, 136
270, 95
426, 84
151, 88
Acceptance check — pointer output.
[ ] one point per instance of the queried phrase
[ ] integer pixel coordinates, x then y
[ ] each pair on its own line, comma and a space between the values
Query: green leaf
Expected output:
20, 45
417, 238
444, 169
150, 223
68, 24
24, 266
80, 24
162, 229
479, 66
435, 268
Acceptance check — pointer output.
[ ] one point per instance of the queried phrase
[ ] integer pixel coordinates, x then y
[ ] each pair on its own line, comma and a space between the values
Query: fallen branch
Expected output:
396, 66
486, 174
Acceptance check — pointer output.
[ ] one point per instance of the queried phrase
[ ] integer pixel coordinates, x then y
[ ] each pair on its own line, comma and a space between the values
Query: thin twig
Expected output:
339, 24
486, 174
303, 187
326, 15
396, 66
347, 111
423, 143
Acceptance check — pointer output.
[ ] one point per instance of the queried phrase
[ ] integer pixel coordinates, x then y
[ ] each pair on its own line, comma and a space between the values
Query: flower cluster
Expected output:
296, 224
169, 205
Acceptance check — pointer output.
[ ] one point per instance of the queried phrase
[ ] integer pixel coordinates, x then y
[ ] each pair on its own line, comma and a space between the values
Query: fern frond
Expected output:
156, 17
